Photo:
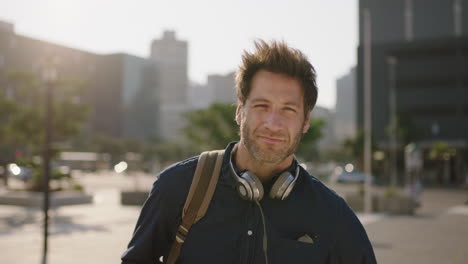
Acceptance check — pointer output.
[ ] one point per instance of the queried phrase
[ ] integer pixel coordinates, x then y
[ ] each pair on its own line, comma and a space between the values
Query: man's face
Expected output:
272, 118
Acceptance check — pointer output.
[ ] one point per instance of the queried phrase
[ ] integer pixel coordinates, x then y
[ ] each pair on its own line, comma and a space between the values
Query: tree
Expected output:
308, 147
213, 127
441, 152
22, 126
354, 147
8, 109
26, 125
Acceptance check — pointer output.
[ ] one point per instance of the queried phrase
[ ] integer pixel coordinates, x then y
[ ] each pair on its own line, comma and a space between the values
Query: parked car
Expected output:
19, 172
343, 176
25, 173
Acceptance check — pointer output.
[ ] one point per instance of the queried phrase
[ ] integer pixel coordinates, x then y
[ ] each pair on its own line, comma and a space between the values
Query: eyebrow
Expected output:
259, 100
292, 104
262, 100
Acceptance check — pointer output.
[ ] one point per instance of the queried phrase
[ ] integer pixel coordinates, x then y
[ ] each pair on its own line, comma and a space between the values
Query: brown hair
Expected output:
277, 57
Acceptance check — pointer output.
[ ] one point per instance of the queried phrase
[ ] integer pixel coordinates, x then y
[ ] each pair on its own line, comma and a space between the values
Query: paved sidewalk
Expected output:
96, 233
438, 233
99, 233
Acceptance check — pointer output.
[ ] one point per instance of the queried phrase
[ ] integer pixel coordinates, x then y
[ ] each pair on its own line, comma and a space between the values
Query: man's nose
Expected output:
274, 120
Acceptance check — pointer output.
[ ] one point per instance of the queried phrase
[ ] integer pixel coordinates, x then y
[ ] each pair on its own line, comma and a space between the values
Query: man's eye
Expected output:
289, 109
261, 106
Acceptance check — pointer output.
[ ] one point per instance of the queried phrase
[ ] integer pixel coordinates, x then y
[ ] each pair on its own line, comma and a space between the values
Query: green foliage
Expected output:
213, 127
77, 187
354, 149
308, 147
8, 109
441, 151
391, 192
22, 116
355, 146
26, 111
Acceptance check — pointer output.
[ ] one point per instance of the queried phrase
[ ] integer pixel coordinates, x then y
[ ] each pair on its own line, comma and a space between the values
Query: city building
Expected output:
170, 55
127, 98
121, 90
419, 75
218, 89
327, 140
345, 107
199, 96
223, 87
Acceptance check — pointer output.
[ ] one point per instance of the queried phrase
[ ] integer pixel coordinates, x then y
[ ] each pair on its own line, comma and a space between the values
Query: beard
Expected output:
267, 154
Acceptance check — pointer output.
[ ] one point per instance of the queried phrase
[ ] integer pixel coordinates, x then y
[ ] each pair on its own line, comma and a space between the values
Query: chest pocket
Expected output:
295, 252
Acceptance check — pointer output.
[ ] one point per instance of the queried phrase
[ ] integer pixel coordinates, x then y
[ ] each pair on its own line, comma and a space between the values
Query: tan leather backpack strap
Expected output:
199, 197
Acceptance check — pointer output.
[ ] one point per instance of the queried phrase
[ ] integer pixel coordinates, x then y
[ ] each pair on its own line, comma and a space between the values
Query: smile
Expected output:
271, 140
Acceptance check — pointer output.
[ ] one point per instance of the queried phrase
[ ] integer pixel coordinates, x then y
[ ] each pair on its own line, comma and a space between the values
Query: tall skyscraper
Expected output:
327, 140
199, 96
345, 107
222, 87
170, 55
418, 75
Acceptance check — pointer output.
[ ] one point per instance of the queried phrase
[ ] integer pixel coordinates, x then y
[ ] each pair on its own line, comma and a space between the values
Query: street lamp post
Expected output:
49, 75
392, 62
367, 110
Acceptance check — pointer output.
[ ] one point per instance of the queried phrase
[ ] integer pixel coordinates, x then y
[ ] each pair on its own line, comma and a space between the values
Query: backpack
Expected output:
199, 197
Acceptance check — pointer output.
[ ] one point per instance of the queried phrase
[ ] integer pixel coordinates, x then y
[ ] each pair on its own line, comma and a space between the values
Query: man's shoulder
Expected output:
327, 196
180, 166
317, 185
331, 203
179, 171
176, 178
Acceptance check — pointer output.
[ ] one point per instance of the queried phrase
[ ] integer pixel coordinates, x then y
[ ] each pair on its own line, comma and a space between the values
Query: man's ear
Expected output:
238, 113
306, 123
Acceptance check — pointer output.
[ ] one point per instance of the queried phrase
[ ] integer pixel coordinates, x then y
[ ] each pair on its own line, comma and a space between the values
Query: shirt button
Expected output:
249, 232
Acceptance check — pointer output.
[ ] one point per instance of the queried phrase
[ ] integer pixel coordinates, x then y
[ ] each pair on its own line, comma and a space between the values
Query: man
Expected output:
298, 220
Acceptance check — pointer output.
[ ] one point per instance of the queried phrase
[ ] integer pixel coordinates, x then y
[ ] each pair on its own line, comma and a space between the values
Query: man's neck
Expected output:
263, 170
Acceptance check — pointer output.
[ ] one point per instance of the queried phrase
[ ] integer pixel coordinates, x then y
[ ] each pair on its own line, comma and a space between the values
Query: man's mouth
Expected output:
271, 140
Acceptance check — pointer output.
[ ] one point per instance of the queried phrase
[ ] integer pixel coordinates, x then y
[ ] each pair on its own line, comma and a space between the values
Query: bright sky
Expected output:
217, 31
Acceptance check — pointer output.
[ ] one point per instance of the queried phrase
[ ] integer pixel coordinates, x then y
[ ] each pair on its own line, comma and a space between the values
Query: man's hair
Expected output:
277, 57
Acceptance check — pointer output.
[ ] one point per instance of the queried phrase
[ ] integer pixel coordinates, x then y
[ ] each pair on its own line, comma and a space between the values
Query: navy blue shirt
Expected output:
232, 229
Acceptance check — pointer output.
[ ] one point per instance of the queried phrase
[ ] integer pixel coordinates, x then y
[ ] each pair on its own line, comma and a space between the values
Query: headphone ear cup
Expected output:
250, 187
282, 186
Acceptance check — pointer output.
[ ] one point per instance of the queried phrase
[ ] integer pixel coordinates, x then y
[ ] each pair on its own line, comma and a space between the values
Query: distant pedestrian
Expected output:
466, 186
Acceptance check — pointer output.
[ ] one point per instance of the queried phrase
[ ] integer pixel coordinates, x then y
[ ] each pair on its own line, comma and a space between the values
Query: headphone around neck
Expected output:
250, 187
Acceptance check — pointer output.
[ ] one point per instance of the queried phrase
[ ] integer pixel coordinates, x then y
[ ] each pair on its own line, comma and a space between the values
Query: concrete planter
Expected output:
397, 205
133, 197
36, 199
356, 202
